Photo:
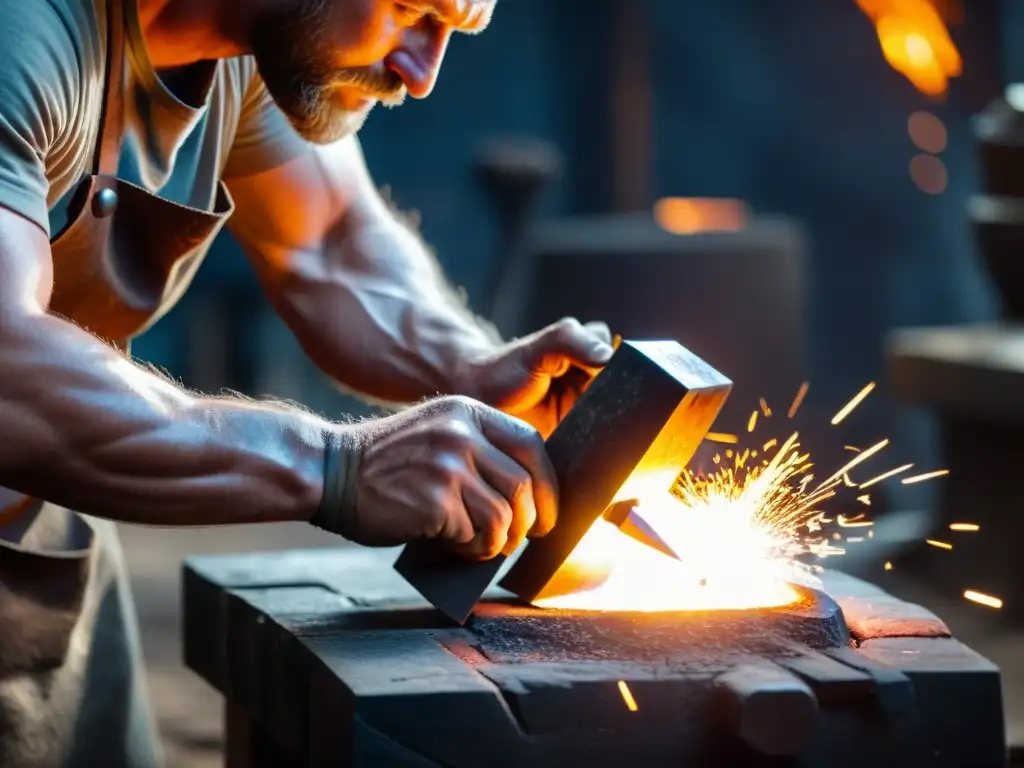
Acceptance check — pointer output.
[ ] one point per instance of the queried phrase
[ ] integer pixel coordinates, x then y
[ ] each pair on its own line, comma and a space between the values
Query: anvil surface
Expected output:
328, 657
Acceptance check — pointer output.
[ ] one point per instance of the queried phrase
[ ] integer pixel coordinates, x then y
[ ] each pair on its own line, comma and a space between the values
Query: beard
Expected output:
294, 58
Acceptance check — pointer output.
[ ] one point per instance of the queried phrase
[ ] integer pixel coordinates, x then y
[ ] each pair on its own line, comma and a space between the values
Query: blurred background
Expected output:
782, 186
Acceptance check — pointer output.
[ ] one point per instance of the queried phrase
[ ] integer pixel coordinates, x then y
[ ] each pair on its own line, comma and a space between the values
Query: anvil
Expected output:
632, 432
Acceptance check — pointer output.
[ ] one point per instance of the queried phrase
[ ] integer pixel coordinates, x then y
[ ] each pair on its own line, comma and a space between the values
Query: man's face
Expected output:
327, 63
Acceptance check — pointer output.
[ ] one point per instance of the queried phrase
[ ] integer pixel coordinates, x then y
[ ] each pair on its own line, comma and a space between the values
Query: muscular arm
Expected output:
85, 427
363, 295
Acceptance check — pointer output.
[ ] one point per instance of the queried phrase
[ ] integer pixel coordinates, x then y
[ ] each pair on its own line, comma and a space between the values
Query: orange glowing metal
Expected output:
939, 544
741, 533
982, 599
964, 527
915, 42
886, 475
926, 476
627, 696
847, 409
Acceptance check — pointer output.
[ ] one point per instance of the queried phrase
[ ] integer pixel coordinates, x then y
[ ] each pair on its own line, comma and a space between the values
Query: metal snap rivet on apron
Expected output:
104, 203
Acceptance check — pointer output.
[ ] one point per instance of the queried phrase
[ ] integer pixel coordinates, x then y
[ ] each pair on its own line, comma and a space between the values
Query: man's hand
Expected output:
539, 377
453, 470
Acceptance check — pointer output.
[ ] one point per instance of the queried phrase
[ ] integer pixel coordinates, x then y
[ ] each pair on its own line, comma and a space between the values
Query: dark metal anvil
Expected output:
327, 657
633, 431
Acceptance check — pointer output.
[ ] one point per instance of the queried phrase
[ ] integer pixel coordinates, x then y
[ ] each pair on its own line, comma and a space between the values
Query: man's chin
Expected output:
327, 128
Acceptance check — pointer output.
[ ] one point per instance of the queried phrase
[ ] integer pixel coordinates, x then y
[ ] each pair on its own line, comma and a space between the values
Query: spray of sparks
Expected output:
761, 505
772, 496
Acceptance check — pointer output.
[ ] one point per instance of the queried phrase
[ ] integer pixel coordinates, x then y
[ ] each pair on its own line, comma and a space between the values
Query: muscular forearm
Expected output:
86, 428
376, 314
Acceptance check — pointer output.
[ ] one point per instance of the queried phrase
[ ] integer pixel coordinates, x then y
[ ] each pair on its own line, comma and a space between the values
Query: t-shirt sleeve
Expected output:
265, 138
39, 77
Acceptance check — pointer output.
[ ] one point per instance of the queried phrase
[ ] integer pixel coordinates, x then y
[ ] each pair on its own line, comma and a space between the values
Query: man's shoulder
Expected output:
75, 20
54, 35
240, 73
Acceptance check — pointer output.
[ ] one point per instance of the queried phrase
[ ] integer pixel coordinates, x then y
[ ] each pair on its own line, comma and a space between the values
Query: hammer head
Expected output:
633, 431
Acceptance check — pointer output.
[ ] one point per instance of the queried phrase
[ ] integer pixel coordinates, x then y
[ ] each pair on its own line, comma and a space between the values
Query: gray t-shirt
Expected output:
218, 122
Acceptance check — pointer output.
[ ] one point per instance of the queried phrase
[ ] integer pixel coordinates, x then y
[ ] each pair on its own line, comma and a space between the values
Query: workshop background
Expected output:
831, 222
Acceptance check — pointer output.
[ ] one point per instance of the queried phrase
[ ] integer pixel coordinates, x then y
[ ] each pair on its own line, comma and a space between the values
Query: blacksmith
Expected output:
131, 132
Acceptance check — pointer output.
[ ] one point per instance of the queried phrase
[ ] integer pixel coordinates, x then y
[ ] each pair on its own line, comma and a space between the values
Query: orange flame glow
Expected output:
694, 215
743, 533
915, 42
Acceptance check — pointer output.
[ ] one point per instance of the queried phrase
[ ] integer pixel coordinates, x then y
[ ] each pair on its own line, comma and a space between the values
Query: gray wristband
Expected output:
337, 510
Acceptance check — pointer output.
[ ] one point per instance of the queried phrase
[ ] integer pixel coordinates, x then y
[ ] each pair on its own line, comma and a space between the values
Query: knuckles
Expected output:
568, 329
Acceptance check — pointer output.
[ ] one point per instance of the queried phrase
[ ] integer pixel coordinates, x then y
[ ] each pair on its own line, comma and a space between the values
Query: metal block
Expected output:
638, 423
632, 432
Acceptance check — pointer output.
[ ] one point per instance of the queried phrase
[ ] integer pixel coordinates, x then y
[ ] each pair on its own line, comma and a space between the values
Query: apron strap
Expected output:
108, 149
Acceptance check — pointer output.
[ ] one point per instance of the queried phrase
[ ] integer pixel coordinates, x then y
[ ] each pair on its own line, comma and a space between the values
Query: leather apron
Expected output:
72, 691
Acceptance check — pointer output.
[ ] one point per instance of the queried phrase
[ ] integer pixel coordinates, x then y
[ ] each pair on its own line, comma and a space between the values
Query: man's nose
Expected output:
418, 57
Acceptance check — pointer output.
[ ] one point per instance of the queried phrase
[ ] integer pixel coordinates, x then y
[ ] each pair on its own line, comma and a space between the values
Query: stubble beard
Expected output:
293, 57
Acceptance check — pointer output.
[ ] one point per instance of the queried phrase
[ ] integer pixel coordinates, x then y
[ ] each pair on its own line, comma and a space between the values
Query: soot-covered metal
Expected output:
329, 657
507, 633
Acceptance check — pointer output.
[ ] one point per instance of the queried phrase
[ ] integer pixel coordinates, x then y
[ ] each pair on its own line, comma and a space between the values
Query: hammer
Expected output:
632, 431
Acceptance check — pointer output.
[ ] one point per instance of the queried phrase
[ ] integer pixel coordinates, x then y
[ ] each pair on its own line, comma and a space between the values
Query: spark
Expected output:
888, 566
847, 409
799, 399
926, 476
858, 459
765, 409
886, 475
939, 544
745, 520
852, 448
771, 507
982, 599
968, 527
722, 437
627, 696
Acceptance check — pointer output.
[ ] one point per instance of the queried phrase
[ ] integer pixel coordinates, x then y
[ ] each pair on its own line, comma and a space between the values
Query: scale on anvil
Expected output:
634, 429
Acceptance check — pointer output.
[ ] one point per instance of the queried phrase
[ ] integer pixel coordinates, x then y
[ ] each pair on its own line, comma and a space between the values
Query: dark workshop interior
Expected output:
823, 199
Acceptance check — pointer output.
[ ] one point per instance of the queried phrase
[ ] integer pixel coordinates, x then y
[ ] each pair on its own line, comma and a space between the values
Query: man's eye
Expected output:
407, 15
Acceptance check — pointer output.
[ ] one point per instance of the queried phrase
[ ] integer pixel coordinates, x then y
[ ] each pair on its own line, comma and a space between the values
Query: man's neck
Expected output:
181, 32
